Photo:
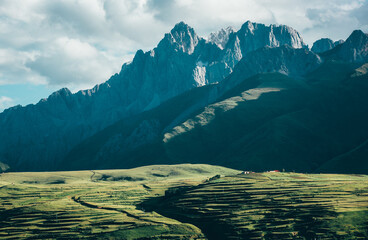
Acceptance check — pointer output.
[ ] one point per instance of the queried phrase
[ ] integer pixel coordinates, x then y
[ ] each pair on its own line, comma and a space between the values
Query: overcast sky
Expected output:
46, 45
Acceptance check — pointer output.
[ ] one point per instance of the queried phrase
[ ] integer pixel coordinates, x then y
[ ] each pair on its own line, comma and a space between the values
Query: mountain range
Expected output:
256, 98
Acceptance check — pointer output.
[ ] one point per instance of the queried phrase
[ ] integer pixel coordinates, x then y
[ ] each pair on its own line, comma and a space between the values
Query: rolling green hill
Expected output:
188, 201
95, 204
273, 206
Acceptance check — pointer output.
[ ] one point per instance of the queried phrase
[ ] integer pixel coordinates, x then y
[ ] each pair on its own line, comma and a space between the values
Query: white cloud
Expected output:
72, 63
5, 102
208, 15
13, 67
78, 43
64, 43
335, 18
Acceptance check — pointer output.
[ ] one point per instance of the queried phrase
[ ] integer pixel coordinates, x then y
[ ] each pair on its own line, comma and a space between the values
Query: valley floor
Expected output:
182, 202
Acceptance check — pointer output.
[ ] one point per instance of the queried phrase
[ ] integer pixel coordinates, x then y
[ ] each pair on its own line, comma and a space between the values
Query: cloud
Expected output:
81, 18
78, 43
72, 63
361, 14
133, 19
5, 102
338, 20
13, 67
209, 15
314, 19
72, 43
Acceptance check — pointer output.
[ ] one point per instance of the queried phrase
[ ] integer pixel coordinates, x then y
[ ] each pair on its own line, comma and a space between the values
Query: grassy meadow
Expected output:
182, 202
274, 206
95, 204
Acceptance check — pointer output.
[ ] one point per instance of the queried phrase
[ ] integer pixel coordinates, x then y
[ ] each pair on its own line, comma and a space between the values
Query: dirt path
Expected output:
89, 205
93, 174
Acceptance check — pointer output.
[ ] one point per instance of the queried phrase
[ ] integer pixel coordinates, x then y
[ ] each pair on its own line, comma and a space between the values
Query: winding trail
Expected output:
89, 205
94, 173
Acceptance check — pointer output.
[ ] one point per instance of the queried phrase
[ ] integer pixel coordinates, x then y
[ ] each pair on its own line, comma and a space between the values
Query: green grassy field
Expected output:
179, 202
274, 206
95, 204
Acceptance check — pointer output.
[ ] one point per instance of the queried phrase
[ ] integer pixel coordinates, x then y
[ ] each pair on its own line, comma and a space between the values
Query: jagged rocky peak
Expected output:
272, 35
138, 57
181, 61
248, 26
285, 59
338, 42
63, 92
355, 48
61, 96
183, 37
288, 35
357, 38
297, 39
221, 37
323, 45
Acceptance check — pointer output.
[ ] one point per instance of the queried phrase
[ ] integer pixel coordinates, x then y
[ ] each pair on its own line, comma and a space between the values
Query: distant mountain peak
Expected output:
62, 92
183, 37
357, 37
181, 27
338, 42
139, 56
248, 27
354, 49
323, 45
181, 61
253, 36
221, 37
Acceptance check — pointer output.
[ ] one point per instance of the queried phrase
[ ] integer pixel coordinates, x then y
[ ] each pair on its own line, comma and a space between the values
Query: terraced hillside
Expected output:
95, 204
182, 202
273, 206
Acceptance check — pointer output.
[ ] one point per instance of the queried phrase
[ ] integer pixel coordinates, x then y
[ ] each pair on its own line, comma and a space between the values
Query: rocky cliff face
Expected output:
252, 36
323, 45
354, 49
221, 37
36, 137
113, 148
285, 59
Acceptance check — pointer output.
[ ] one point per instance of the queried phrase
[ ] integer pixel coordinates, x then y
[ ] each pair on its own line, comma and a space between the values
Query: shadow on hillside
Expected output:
267, 218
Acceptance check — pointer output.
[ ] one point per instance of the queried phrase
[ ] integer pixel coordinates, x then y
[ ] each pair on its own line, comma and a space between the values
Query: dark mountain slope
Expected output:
354, 49
130, 134
269, 121
37, 137
353, 161
114, 146
282, 59
295, 128
222, 125
281, 107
